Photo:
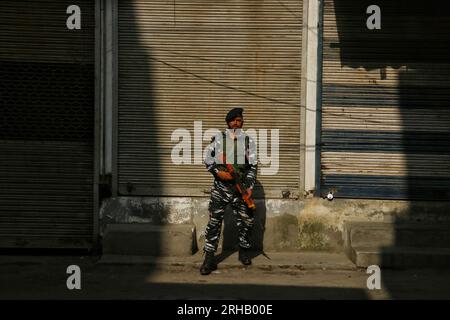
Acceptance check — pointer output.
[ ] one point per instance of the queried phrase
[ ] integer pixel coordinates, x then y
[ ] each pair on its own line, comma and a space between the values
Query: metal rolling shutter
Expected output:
187, 61
46, 125
386, 101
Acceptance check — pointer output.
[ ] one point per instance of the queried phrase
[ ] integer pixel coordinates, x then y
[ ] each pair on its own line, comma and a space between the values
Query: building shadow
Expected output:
405, 70
47, 127
406, 64
138, 154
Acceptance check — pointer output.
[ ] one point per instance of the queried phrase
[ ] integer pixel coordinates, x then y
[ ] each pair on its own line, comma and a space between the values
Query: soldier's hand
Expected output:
225, 176
249, 192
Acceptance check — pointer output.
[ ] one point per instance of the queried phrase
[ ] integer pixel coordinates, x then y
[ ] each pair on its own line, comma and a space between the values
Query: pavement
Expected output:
273, 276
262, 261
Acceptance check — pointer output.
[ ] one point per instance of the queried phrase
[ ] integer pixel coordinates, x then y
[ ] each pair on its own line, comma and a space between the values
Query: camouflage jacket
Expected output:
223, 149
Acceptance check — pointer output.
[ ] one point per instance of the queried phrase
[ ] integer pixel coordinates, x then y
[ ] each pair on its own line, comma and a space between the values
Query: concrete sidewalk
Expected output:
226, 260
229, 260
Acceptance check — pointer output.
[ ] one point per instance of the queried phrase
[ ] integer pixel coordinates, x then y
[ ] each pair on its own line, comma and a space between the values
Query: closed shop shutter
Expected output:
386, 101
46, 125
186, 61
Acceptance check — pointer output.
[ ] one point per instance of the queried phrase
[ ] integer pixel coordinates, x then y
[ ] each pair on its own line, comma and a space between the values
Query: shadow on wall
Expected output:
139, 154
404, 72
230, 242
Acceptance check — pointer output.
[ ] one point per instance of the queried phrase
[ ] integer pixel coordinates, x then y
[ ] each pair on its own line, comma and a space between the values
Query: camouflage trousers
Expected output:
221, 196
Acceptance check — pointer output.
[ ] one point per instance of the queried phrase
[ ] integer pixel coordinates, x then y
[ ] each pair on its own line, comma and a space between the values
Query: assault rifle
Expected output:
243, 192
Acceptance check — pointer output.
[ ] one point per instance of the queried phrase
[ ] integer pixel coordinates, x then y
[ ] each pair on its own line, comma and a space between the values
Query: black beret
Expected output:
233, 113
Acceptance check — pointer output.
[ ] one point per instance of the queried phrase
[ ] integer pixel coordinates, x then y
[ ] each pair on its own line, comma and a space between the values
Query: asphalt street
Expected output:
48, 278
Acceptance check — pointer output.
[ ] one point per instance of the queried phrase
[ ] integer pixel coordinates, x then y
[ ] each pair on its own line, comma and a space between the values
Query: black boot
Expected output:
209, 265
243, 256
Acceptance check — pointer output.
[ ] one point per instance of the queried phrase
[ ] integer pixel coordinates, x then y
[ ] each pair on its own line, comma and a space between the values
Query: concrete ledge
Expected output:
276, 224
397, 244
402, 257
399, 234
149, 239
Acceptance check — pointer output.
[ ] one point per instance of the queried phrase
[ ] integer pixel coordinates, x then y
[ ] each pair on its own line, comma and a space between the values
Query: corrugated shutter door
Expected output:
386, 100
187, 61
46, 125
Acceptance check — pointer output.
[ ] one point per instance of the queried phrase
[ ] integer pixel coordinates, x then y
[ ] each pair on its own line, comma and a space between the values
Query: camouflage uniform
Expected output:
224, 193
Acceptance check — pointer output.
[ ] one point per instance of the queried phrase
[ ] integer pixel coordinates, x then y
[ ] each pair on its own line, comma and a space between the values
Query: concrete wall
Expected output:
281, 225
276, 222
321, 221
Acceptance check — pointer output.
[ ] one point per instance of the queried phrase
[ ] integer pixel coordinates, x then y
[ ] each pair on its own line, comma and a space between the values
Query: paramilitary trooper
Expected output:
239, 149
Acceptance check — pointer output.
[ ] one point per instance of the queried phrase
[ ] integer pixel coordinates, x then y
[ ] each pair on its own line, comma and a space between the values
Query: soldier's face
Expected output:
236, 123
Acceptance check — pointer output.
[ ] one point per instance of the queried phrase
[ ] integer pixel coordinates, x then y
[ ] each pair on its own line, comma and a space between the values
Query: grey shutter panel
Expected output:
46, 125
386, 101
187, 61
